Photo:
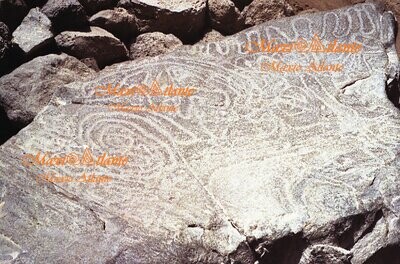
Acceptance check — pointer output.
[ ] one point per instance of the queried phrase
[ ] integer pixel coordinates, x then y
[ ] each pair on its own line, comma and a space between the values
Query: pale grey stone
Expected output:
254, 167
212, 35
34, 33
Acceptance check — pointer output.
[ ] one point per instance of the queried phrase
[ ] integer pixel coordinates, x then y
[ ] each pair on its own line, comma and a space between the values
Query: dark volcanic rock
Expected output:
12, 12
35, 3
117, 21
26, 90
99, 44
66, 14
93, 6
91, 63
34, 33
4, 40
153, 44
241, 3
10, 55
225, 17
260, 11
183, 18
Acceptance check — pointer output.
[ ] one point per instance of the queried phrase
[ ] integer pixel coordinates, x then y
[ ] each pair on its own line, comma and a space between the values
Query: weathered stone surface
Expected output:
212, 35
225, 17
34, 33
255, 166
91, 63
66, 14
94, 6
153, 44
98, 44
183, 18
12, 12
321, 254
260, 11
117, 21
26, 90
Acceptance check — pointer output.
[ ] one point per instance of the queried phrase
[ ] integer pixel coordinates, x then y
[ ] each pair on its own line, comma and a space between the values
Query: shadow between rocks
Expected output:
8, 128
387, 255
393, 92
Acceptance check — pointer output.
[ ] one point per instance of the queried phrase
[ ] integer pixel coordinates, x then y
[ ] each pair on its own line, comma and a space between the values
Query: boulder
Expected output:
260, 11
225, 17
212, 35
117, 21
12, 12
153, 44
255, 166
94, 6
34, 33
98, 44
182, 18
91, 63
66, 15
28, 89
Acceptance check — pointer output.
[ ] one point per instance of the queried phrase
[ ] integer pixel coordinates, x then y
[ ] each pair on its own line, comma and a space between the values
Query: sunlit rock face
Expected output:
255, 165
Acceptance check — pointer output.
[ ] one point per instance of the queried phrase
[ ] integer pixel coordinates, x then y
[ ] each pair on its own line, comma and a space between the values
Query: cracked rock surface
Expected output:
34, 32
255, 167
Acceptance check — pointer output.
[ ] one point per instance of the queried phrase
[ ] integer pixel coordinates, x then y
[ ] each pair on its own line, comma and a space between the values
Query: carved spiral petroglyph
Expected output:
258, 133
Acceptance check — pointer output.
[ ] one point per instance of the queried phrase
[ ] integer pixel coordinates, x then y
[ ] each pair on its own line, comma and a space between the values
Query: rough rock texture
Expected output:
91, 63
26, 90
117, 21
212, 35
255, 166
34, 33
391, 5
98, 44
12, 12
66, 14
225, 17
153, 44
5, 46
184, 19
321, 254
260, 11
93, 6
4, 40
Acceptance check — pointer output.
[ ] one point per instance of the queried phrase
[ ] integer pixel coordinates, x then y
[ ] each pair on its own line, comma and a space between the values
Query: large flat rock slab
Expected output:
268, 166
